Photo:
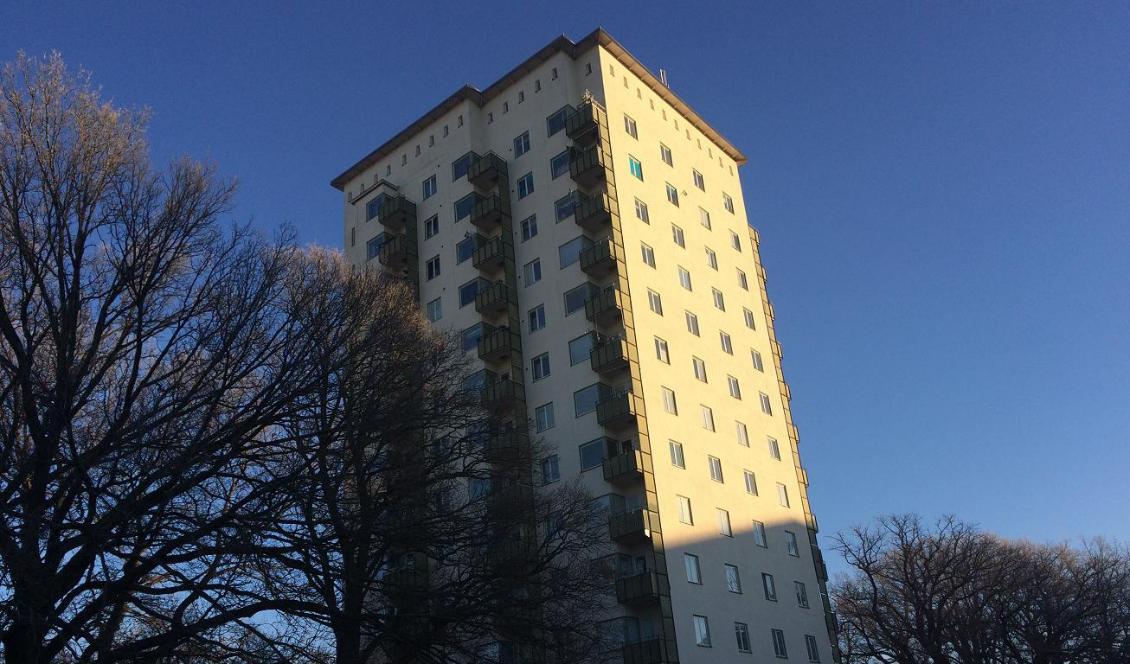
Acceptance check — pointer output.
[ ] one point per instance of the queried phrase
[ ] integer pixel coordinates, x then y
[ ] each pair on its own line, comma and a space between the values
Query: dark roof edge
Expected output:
561, 44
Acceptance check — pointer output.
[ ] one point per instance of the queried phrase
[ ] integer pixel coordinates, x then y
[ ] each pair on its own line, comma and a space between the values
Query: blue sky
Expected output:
942, 189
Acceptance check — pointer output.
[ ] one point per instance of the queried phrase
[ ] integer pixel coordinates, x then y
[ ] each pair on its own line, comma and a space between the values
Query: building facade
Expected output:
584, 229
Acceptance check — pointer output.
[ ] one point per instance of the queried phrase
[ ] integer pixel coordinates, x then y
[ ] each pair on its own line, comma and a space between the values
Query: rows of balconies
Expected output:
489, 212
491, 254
592, 213
395, 212
397, 251
606, 307
583, 125
499, 395
609, 356
599, 258
632, 526
487, 171
493, 299
588, 166
640, 588
497, 343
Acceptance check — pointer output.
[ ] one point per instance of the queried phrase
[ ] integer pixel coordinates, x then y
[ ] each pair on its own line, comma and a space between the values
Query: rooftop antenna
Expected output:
663, 78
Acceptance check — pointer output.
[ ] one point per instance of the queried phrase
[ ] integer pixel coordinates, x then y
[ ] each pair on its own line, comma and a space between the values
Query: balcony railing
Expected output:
507, 444
395, 252
493, 299
592, 213
650, 651
395, 212
623, 468
609, 356
489, 212
582, 125
599, 259
498, 344
633, 526
410, 577
638, 589
617, 410
587, 166
500, 396
486, 171
491, 255
605, 308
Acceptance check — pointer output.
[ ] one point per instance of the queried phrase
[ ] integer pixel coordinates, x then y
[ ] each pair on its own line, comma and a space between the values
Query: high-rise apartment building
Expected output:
584, 229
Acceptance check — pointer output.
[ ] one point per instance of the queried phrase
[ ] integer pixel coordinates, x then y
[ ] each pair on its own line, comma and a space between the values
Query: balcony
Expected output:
605, 308
499, 397
593, 213
610, 356
630, 527
395, 212
617, 411
651, 651
623, 468
493, 299
491, 255
395, 253
599, 258
508, 444
638, 589
582, 125
498, 344
486, 171
410, 577
587, 166
489, 213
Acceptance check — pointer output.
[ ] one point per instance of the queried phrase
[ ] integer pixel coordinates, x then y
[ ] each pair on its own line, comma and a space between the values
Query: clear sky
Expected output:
942, 190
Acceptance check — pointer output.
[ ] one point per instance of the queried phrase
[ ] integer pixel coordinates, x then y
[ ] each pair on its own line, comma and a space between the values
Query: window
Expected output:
630, 126
471, 336
813, 649
801, 594
741, 631
735, 388
592, 453
757, 363
707, 418
774, 448
570, 252
743, 280
559, 165
575, 298
661, 351
694, 572
677, 235
579, 349
766, 407
711, 258
702, 631
724, 523
719, 302
672, 195
759, 534
540, 366
531, 272
435, 310
431, 268
782, 494
685, 514
373, 208
733, 579
750, 482
749, 322
465, 249
655, 302
699, 369
431, 226
543, 417
769, 586
743, 433
715, 468
529, 227
550, 470
464, 207
699, 181
727, 345
676, 449
728, 203
669, 403
585, 399
791, 544
460, 166
635, 167
525, 185
430, 187
556, 122
521, 144
685, 278
564, 207
648, 254
704, 218
665, 155
641, 212
373, 247
692, 323
779, 648
468, 291
537, 318
735, 241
